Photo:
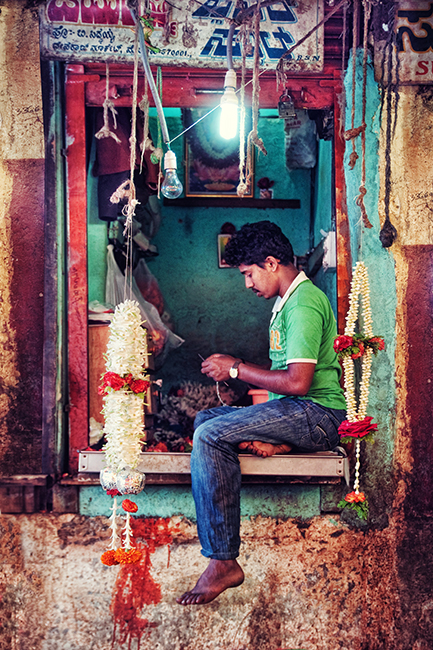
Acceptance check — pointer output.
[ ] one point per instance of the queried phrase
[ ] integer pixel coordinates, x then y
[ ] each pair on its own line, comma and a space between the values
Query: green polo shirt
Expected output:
302, 330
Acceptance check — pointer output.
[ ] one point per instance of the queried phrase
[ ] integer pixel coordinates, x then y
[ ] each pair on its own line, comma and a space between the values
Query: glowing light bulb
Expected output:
171, 186
229, 107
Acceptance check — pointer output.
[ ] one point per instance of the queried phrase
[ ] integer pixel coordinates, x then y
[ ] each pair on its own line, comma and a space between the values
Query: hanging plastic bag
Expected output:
148, 286
163, 339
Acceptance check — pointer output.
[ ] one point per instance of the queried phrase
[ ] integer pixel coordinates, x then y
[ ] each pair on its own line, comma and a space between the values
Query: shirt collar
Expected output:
280, 302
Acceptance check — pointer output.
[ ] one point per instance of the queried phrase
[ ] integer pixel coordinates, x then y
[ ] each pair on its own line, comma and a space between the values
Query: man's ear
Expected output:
272, 263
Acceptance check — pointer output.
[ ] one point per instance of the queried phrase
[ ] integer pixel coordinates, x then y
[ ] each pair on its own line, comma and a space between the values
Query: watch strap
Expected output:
233, 372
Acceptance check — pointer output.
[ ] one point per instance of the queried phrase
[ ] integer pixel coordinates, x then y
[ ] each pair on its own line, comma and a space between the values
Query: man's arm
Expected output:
296, 380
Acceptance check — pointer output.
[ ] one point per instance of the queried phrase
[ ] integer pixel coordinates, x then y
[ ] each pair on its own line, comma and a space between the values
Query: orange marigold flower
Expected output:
109, 558
354, 497
129, 506
130, 556
160, 446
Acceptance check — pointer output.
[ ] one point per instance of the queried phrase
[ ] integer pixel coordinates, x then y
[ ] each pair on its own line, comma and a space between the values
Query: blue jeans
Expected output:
215, 468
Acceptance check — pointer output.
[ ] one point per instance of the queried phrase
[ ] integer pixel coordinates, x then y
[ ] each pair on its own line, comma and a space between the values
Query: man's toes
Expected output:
243, 445
183, 600
191, 598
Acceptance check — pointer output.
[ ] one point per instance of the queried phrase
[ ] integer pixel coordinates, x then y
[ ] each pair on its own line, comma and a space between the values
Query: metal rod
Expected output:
150, 79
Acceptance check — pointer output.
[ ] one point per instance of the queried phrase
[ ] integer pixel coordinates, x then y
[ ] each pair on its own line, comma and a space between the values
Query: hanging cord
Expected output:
157, 154
253, 137
129, 208
362, 191
127, 189
242, 187
146, 143
108, 105
388, 233
353, 132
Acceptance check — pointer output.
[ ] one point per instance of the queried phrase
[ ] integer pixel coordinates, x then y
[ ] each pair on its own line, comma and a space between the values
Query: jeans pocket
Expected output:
322, 434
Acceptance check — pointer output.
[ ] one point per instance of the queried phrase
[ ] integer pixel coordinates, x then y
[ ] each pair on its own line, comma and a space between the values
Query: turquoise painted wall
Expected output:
376, 461
324, 219
280, 501
210, 307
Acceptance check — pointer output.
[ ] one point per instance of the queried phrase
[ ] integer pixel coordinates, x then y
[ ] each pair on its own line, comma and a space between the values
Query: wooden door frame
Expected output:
182, 88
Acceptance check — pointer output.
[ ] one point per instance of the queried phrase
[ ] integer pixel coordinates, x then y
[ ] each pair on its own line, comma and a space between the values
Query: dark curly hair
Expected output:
254, 242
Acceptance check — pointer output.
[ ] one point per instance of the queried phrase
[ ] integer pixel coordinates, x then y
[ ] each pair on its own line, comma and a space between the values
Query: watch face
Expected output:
233, 372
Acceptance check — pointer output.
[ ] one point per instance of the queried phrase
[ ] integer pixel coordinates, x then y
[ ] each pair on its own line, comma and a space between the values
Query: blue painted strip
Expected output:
279, 501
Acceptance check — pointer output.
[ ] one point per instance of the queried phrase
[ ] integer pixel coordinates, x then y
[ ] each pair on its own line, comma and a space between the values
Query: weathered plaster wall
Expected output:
410, 211
310, 584
21, 241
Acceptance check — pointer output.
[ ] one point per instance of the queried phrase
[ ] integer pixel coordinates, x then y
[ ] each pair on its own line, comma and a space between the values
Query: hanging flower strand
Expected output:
124, 387
349, 347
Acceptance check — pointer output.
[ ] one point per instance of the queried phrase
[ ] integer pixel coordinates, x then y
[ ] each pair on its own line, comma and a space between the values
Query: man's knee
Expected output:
203, 416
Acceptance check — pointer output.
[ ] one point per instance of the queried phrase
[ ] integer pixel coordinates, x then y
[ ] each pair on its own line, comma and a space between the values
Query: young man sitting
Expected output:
305, 408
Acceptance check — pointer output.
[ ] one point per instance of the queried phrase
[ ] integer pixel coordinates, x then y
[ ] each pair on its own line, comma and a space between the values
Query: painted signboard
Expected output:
186, 32
413, 49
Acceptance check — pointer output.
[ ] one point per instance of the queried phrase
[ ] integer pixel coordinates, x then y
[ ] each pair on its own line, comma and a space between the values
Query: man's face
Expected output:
263, 281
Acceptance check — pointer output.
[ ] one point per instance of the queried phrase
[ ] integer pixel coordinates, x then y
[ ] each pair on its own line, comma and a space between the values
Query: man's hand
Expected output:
217, 366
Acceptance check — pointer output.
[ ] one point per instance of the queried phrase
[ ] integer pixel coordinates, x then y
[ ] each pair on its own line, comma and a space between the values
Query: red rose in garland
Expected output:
357, 429
111, 380
342, 343
139, 386
380, 342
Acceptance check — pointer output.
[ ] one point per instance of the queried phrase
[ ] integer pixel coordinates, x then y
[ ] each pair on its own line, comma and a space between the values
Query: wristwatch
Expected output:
233, 372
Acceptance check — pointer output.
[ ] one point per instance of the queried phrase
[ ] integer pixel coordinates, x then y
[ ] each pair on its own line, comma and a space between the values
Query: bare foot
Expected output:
219, 576
264, 449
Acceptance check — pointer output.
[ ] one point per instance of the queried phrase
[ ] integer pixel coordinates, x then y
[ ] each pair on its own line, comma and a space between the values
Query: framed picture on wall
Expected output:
222, 243
211, 162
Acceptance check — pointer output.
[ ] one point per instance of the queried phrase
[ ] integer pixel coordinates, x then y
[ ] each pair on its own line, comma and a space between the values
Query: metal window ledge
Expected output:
319, 465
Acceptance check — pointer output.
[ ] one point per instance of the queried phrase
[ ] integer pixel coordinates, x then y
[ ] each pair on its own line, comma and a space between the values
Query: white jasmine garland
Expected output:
359, 287
127, 344
123, 410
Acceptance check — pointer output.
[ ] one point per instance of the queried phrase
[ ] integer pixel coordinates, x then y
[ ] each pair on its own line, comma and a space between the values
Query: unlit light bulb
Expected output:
171, 186
229, 107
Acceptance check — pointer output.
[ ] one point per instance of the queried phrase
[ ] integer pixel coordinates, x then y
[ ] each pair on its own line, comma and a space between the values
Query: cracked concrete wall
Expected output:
312, 585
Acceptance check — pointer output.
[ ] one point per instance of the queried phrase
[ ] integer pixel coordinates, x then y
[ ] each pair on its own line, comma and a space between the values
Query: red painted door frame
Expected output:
84, 85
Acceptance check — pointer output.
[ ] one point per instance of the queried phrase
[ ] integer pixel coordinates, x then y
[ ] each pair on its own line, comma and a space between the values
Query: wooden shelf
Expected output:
234, 202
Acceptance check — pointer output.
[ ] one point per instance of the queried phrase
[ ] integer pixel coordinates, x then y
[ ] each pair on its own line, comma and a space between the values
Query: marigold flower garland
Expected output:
349, 347
124, 386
